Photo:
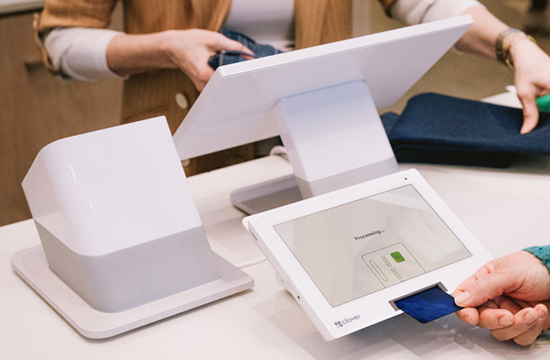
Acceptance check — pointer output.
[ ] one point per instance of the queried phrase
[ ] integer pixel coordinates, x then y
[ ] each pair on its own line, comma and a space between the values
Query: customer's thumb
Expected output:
481, 290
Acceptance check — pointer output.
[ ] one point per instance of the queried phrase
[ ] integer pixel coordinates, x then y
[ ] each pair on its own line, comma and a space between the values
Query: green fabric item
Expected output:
542, 253
543, 103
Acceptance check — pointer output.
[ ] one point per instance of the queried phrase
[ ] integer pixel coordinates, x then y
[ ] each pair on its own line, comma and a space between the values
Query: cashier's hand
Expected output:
187, 50
532, 79
509, 296
191, 49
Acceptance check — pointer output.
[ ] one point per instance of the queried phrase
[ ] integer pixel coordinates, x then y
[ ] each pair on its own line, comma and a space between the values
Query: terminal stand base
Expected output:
267, 195
31, 265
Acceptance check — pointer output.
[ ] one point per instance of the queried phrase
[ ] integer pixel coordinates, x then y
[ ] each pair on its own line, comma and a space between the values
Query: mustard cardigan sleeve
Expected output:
75, 13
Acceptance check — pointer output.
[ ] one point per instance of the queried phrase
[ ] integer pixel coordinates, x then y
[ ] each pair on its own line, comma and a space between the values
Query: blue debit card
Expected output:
428, 305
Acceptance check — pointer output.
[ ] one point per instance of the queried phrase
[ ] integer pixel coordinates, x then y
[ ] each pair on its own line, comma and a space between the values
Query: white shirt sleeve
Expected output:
81, 53
412, 12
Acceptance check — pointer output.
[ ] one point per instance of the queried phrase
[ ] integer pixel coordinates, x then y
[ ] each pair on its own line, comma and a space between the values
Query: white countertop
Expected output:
505, 209
13, 6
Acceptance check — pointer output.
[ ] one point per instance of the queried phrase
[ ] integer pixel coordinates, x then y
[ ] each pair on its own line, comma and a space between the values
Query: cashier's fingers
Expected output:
530, 113
529, 323
531, 77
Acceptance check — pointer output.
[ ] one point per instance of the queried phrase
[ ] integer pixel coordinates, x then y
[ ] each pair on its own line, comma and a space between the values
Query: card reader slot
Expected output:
396, 308
428, 305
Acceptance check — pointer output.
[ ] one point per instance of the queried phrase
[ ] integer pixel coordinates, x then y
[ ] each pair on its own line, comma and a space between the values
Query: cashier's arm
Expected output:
509, 296
187, 50
532, 65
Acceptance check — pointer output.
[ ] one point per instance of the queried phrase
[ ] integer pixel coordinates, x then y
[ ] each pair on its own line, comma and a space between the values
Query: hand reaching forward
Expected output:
190, 50
509, 296
187, 50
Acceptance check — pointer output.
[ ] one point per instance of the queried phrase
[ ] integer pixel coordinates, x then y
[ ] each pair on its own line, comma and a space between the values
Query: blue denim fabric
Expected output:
441, 129
230, 56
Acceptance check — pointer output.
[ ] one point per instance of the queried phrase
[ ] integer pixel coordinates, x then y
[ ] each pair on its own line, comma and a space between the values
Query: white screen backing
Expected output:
236, 106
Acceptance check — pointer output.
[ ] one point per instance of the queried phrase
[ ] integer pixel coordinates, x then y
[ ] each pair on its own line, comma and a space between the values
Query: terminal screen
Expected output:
366, 245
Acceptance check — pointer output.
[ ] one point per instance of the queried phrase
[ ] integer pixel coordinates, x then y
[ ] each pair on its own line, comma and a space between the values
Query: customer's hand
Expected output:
532, 79
509, 296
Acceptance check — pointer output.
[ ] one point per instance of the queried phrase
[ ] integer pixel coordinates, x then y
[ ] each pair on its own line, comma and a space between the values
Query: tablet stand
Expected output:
334, 138
122, 241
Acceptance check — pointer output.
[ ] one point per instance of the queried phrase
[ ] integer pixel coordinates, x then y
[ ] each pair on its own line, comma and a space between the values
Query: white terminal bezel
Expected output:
377, 306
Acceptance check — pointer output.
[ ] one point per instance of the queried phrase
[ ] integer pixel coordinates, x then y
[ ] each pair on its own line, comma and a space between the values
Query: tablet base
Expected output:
334, 137
267, 195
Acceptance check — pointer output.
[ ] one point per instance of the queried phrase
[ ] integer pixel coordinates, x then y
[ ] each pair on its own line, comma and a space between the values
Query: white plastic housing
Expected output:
334, 137
122, 242
99, 192
116, 218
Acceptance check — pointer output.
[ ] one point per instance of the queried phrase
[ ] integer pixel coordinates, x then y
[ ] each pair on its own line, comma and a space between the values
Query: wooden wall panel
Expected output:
37, 108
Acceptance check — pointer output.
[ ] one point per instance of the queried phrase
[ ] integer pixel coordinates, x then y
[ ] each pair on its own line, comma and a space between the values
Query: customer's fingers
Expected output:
528, 324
